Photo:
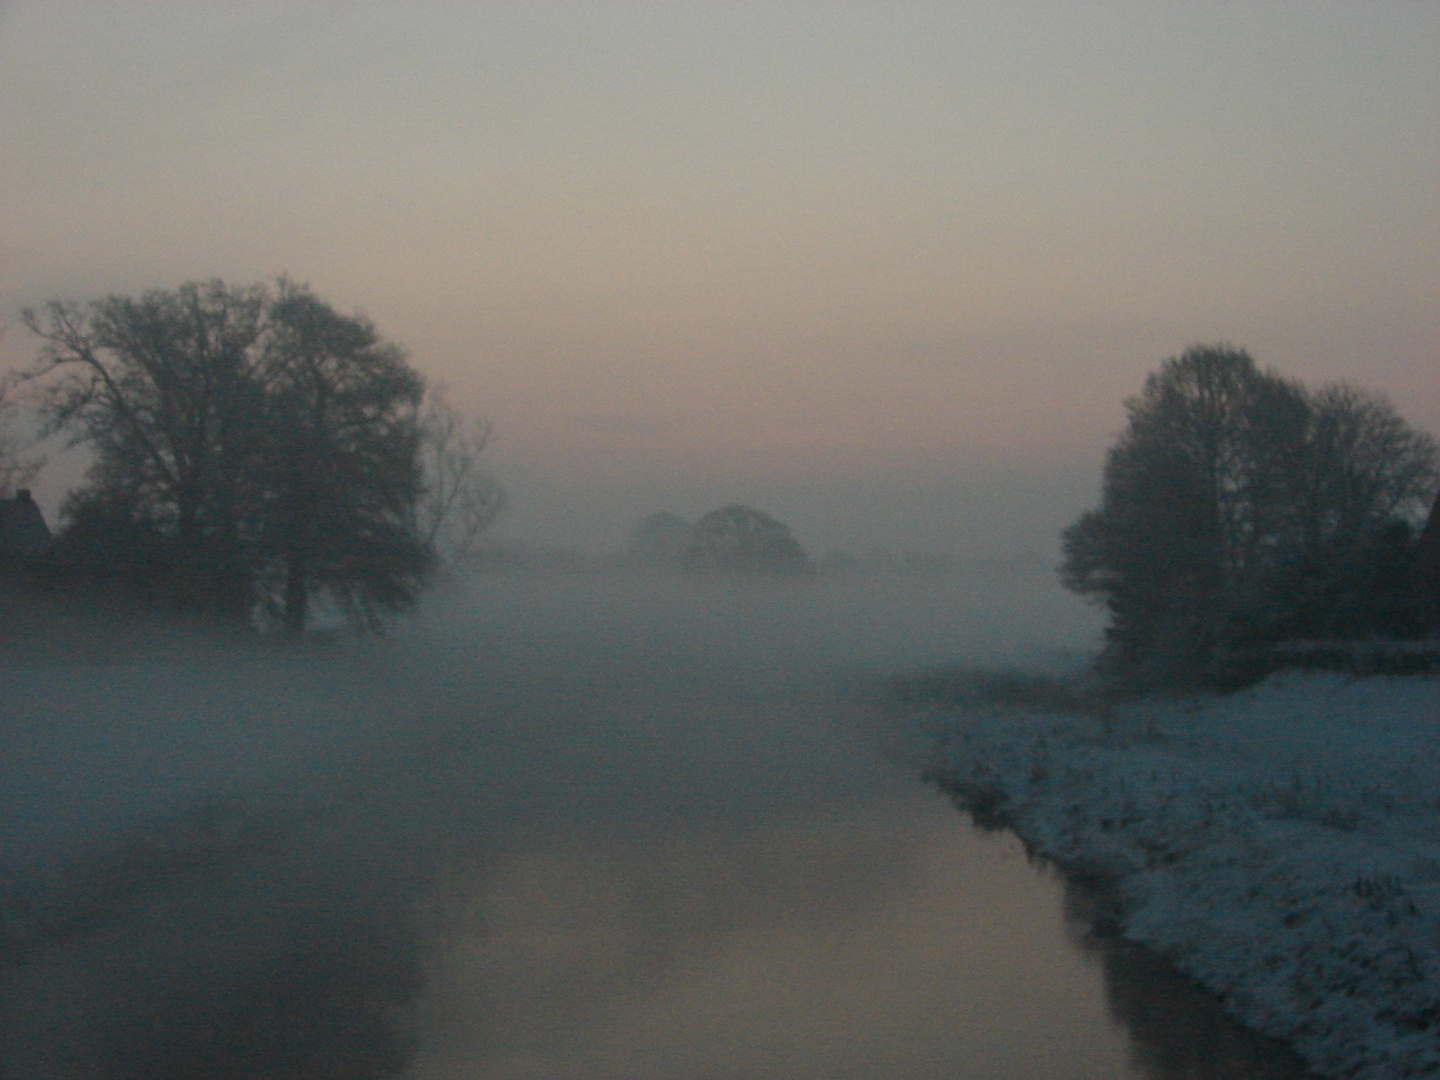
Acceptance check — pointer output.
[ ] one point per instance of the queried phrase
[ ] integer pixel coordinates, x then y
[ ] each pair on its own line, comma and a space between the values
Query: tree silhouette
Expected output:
252, 448
1234, 506
165, 392
342, 473
737, 539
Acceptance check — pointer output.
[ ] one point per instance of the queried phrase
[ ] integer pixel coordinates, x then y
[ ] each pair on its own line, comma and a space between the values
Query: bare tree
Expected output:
1238, 507
341, 463
252, 446
164, 390
1364, 465
461, 501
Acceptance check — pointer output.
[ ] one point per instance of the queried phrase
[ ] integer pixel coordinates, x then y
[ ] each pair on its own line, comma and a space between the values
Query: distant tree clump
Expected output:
739, 540
1239, 509
253, 450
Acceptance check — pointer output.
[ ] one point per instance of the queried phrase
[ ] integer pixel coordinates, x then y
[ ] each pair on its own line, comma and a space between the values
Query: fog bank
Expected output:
219, 845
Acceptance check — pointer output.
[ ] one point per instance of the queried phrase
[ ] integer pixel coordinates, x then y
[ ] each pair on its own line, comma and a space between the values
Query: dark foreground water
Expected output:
887, 942
579, 827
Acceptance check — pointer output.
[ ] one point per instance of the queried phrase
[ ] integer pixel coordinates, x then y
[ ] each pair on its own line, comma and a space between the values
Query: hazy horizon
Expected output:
887, 272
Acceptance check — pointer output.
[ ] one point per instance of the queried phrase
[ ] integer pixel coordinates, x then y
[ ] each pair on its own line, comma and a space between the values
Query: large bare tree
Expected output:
250, 443
1237, 506
165, 392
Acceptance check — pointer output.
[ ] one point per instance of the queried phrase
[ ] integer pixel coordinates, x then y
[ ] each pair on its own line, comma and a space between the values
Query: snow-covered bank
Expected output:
1280, 845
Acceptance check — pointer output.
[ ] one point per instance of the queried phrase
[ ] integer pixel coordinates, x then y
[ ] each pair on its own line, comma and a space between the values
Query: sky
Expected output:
885, 270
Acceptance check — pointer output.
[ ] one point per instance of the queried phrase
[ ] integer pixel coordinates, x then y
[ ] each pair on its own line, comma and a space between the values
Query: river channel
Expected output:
749, 882
652, 829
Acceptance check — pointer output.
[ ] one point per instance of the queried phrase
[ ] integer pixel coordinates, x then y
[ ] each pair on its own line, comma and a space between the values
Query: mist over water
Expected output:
567, 825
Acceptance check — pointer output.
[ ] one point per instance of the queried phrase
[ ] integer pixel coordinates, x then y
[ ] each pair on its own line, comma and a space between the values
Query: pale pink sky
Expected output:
885, 270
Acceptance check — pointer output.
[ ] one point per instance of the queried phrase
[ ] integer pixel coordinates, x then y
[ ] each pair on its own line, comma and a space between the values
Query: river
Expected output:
574, 826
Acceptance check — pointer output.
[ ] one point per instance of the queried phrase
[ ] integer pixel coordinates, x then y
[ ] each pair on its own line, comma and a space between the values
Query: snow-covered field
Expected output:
1280, 845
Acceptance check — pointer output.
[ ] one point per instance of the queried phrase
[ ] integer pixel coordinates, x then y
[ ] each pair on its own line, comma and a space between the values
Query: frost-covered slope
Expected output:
1280, 845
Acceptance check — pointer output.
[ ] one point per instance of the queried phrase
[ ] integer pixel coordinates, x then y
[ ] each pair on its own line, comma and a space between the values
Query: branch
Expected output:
69, 343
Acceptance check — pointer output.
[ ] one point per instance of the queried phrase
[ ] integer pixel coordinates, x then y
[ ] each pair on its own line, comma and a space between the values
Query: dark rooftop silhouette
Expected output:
23, 532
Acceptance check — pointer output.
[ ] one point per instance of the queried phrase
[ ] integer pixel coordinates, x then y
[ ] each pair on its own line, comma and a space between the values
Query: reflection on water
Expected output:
1178, 1031
858, 944
885, 941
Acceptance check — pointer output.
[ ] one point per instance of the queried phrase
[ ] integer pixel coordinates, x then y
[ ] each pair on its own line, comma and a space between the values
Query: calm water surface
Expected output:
891, 940
651, 831
795, 905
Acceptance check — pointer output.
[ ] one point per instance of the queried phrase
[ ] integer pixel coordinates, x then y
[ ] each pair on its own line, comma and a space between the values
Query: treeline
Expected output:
1241, 509
253, 451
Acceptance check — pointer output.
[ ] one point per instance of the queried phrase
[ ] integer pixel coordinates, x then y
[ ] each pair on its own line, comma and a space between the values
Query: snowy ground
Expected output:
1280, 845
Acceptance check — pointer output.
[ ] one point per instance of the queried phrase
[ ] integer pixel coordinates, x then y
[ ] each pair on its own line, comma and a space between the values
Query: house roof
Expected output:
23, 531
1427, 564
1429, 542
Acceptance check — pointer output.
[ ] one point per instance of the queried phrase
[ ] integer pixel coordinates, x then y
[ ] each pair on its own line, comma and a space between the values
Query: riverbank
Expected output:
1280, 845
